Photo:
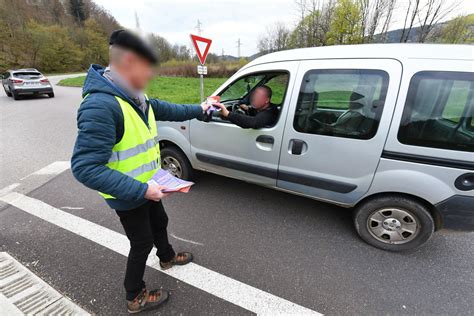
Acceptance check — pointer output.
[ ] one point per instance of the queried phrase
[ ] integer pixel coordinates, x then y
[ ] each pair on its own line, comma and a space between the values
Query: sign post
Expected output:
201, 46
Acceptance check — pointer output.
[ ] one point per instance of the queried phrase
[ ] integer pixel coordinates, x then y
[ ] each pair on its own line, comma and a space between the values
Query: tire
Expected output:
173, 160
9, 94
15, 95
394, 223
51, 95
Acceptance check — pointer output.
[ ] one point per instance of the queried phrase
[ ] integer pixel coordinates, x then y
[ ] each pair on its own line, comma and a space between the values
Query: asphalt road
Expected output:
294, 248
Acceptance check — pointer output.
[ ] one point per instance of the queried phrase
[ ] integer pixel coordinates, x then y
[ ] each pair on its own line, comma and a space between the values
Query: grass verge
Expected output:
173, 89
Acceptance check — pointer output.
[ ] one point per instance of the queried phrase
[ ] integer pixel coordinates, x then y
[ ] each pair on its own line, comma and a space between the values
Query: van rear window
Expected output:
438, 111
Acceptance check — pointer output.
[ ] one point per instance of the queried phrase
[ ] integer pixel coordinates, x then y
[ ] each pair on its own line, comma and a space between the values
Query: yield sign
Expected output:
201, 45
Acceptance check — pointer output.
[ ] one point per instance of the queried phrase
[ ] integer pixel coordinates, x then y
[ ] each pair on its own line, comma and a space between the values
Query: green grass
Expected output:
173, 89
72, 82
181, 90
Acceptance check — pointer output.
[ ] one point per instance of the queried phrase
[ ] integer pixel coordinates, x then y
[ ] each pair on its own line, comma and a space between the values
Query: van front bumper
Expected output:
457, 212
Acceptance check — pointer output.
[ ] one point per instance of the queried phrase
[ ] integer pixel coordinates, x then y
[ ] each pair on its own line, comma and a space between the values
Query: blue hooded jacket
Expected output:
101, 126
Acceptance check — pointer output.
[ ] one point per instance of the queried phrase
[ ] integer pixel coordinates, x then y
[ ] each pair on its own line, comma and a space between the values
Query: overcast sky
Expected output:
224, 21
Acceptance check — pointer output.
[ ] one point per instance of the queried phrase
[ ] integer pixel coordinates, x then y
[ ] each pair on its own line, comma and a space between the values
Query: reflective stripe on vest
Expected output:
138, 153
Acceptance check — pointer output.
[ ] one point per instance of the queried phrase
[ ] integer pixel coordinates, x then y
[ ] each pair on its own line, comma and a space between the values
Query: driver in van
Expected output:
259, 114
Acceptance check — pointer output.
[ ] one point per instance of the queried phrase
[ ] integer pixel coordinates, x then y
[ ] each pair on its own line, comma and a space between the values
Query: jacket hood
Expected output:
96, 82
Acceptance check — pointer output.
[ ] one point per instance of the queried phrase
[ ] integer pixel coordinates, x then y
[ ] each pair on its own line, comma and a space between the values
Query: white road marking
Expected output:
71, 208
9, 189
8, 308
52, 169
186, 240
226, 288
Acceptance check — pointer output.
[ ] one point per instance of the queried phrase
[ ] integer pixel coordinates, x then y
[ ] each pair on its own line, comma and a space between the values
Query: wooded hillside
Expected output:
53, 35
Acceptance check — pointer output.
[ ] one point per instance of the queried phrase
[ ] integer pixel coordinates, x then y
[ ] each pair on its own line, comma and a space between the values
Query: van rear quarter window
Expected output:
438, 111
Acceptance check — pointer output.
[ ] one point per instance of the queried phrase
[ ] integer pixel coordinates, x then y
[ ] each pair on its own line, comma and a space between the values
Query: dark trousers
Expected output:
145, 226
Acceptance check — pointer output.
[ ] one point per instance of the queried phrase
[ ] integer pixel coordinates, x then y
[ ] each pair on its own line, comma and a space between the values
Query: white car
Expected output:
17, 83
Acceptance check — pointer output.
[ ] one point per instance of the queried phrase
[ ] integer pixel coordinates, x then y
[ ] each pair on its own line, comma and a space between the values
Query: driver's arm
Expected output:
260, 120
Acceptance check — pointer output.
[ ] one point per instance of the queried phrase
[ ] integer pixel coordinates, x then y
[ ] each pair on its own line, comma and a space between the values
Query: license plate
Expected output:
31, 83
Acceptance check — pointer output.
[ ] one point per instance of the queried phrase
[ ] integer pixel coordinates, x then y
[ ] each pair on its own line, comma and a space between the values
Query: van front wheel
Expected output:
173, 160
394, 223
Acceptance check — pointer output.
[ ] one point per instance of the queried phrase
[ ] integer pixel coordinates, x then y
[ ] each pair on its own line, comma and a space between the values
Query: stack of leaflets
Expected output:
172, 184
210, 101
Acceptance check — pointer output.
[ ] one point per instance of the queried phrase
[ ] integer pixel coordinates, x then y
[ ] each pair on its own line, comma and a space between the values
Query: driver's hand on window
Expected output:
223, 109
244, 107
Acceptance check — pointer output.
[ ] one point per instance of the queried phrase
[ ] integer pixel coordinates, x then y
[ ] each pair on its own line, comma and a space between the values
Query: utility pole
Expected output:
137, 21
199, 27
199, 31
239, 44
222, 52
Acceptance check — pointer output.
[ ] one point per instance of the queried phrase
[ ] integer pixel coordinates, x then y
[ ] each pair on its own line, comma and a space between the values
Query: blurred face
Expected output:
259, 99
137, 70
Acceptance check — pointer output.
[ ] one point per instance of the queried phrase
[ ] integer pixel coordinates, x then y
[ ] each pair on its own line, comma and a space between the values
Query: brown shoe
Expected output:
147, 300
180, 259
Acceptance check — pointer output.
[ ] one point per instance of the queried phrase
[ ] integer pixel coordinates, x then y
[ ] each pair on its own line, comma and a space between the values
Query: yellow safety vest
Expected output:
138, 153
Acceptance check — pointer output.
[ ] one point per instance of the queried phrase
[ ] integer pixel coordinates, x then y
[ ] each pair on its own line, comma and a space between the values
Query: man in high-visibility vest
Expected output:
117, 152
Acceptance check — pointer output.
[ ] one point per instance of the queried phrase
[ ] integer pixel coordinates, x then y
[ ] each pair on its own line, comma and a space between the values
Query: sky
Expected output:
224, 21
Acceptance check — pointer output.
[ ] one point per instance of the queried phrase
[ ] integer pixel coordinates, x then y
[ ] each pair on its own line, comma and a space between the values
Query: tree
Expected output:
276, 38
96, 48
314, 24
431, 14
77, 9
410, 16
387, 20
162, 47
376, 16
346, 26
181, 52
458, 31
54, 49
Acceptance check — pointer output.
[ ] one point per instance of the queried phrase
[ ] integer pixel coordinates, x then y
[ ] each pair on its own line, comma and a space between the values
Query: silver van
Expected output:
387, 130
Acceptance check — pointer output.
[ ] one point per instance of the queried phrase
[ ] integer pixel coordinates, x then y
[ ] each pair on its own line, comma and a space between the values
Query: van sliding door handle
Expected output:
266, 139
297, 147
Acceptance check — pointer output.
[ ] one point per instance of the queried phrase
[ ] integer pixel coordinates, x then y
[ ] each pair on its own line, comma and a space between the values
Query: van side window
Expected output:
341, 102
438, 111
278, 85
241, 87
241, 90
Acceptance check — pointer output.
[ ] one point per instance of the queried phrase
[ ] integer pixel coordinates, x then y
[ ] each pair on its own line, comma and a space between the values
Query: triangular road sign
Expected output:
201, 46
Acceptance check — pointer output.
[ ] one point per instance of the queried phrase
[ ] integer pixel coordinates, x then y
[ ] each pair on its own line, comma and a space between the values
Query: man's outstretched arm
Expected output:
166, 111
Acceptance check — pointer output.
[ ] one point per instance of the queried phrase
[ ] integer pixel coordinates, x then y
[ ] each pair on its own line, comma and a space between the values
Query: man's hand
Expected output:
154, 192
224, 111
205, 106
244, 107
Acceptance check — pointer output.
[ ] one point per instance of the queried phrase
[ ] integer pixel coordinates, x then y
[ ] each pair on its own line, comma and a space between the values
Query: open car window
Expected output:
239, 91
244, 86
240, 88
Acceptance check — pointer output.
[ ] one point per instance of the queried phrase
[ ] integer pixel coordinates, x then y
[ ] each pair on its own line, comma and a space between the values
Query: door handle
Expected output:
297, 147
266, 139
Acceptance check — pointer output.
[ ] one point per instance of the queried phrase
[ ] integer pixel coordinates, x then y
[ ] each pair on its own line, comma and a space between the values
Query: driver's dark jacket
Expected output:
255, 119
